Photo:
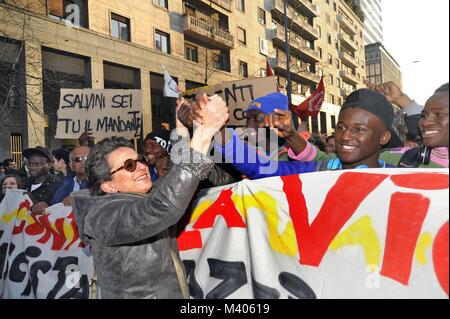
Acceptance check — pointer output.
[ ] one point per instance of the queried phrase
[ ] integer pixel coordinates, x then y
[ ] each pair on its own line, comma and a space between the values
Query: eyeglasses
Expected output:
79, 159
131, 164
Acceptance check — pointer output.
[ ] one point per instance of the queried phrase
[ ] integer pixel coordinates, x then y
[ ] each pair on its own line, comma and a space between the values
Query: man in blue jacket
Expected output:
363, 129
76, 179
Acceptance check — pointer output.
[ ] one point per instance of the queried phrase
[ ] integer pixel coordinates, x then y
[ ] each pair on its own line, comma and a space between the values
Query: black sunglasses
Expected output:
79, 159
131, 164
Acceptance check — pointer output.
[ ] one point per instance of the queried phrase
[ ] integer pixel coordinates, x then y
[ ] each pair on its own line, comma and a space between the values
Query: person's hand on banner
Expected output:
86, 139
39, 208
67, 201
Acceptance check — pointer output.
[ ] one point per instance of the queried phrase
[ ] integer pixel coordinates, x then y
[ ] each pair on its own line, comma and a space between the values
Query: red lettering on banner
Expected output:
73, 224
407, 212
340, 204
189, 240
222, 206
440, 257
421, 181
18, 229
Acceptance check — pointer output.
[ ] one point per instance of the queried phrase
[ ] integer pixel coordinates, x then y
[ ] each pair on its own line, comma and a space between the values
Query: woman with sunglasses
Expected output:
126, 218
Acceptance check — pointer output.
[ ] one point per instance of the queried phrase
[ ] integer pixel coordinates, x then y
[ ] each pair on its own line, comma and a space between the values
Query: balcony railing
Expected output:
346, 24
310, 7
309, 31
348, 59
208, 33
299, 47
345, 92
226, 4
347, 40
348, 77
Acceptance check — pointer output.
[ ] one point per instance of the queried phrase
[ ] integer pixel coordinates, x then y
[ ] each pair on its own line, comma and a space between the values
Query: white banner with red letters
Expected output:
375, 233
41, 256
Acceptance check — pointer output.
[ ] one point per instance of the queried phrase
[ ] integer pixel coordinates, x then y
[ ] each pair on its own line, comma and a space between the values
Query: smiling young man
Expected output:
125, 217
363, 129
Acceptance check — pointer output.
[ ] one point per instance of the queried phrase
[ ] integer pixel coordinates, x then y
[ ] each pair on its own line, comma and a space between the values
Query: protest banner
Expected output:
375, 233
105, 113
41, 256
237, 95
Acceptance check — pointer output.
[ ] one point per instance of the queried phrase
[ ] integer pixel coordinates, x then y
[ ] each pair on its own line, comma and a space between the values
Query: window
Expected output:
319, 50
120, 27
319, 30
262, 72
162, 42
334, 6
161, 3
331, 79
191, 52
263, 46
330, 59
240, 5
242, 36
333, 121
338, 82
261, 16
328, 19
243, 69
217, 61
16, 147
336, 44
329, 38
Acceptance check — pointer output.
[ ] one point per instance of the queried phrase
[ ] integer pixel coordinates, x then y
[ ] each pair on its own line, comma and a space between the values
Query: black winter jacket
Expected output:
134, 254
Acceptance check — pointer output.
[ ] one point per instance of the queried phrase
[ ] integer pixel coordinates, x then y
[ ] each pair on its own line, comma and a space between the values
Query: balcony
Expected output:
347, 41
346, 24
297, 47
225, 4
299, 25
302, 77
347, 59
308, 8
212, 36
348, 77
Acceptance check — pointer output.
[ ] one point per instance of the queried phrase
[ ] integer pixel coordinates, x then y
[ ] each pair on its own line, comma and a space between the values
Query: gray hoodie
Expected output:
134, 254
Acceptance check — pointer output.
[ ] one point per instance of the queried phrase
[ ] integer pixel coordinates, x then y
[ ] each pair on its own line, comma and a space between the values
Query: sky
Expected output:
417, 30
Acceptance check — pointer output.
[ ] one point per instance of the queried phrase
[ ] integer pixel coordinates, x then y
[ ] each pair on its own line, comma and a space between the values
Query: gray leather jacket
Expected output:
135, 256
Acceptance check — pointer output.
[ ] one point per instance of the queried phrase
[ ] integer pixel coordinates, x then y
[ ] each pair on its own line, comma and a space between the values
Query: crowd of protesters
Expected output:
126, 202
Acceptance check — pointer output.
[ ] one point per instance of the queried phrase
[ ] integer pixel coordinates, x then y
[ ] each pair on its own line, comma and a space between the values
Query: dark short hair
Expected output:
442, 88
63, 154
7, 161
97, 167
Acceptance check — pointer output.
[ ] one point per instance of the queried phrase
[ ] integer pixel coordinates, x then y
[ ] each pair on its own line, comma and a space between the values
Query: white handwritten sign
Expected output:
238, 95
104, 112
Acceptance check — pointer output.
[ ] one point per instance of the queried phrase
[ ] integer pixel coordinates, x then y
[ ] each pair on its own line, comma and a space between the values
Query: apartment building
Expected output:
100, 44
120, 44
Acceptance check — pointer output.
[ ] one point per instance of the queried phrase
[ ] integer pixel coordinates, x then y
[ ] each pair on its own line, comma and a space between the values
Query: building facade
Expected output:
100, 44
373, 22
381, 66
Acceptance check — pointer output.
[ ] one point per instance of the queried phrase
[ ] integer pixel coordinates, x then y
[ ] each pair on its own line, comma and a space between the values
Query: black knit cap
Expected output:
377, 104
38, 150
162, 137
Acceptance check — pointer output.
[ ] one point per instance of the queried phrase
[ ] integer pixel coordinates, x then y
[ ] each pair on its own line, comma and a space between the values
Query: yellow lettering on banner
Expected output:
425, 240
361, 233
69, 233
284, 243
23, 214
